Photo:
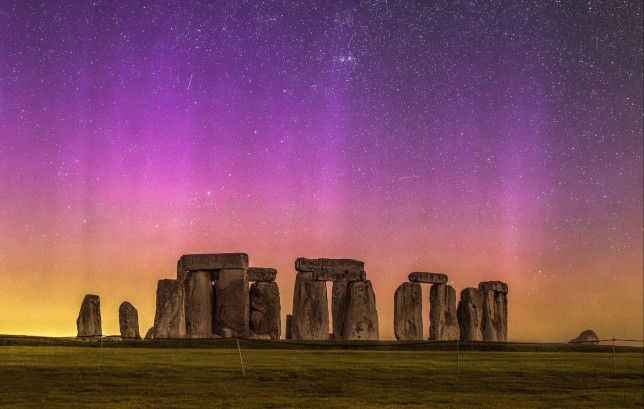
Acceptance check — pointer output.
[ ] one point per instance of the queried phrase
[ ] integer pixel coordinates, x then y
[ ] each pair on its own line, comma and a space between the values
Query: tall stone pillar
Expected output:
265, 310
169, 319
199, 304
88, 323
232, 303
310, 320
494, 322
470, 310
408, 312
443, 323
361, 316
338, 307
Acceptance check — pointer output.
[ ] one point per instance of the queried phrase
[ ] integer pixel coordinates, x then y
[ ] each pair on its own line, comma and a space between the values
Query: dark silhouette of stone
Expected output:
232, 302
586, 337
338, 307
150, 333
494, 317
408, 312
261, 274
265, 311
470, 315
206, 262
310, 319
88, 323
498, 286
428, 278
443, 322
328, 269
198, 304
129, 321
361, 316
169, 319
289, 321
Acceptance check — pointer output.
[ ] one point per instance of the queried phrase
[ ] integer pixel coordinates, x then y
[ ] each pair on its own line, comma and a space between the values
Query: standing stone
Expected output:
289, 321
169, 318
88, 323
361, 316
310, 319
494, 320
338, 307
150, 333
470, 310
199, 304
129, 321
408, 312
265, 310
443, 323
232, 303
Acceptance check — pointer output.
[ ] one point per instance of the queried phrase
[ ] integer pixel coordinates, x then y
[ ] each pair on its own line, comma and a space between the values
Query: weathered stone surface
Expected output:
443, 322
338, 307
470, 314
429, 278
498, 286
129, 321
261, 274
361, 316
408, 312
88, 323
332, 267
150, 333
333, 276
199, 304
289, 321
169, 319
310, 320
216, 261
494, 317
232, 302
265, 310
586, 337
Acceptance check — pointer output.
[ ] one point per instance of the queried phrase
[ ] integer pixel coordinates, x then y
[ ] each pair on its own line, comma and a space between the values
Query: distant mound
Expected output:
585, 337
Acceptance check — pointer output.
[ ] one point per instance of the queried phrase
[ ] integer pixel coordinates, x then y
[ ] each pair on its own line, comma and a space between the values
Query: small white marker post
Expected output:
458, 359
614, 362
240, 357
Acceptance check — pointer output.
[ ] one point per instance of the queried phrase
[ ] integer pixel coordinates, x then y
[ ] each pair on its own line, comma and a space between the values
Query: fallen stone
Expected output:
261, 274
338, 307
329, 265
408, 312
497, 286
88, 323
469, 312
361, 316
169, 318
199, 304
310, 320
150, 333
265, 310
216, 261
226, 333
264, 337
232, 302
586, 337
129, 321
429, 278
443, 322
494, 317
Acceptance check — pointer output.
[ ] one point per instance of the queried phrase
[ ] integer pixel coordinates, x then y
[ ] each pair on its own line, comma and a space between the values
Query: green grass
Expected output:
73, 376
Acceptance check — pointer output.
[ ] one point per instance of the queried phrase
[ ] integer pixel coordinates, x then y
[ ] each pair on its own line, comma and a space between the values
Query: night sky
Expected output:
496, 140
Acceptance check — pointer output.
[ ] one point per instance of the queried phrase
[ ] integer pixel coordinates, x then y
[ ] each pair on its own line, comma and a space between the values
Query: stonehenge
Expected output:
482, 313
129, 321
353, 302
88, 323
211, 298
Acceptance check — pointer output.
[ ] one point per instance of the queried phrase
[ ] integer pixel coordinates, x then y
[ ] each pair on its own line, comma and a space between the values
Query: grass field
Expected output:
107, 377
